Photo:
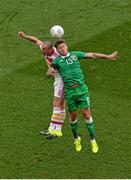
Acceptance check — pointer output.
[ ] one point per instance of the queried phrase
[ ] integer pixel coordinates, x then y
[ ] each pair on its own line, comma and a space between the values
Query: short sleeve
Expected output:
80, 54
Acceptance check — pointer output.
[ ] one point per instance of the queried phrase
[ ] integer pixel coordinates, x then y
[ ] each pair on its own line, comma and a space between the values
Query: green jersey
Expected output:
69, 67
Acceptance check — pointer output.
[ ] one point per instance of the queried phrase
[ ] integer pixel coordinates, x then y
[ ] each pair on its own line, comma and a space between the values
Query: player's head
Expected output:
61, 47
46, 48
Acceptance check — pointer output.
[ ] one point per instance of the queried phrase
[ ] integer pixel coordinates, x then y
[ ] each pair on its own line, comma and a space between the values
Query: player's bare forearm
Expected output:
30, 38
93, 55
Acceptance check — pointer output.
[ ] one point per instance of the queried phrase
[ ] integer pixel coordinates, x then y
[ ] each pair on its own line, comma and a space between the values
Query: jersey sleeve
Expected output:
80, 54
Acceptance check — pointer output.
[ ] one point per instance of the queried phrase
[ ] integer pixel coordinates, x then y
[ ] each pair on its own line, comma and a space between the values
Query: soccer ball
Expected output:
57, 31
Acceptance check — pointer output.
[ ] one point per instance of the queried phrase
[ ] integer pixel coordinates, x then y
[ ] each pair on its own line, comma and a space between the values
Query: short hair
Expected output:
58, 42
48, 43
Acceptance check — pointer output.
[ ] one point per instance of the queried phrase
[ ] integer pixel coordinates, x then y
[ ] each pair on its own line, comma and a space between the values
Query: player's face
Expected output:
62, 49
46, 50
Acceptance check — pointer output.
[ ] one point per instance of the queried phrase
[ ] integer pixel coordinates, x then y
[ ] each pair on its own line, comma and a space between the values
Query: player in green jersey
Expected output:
75, 89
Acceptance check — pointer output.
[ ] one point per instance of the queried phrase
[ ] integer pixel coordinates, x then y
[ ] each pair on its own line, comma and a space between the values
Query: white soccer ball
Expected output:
57, 31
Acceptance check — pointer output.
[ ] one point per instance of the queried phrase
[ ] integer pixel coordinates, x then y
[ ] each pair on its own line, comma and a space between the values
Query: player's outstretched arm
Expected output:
30, 38
93, 55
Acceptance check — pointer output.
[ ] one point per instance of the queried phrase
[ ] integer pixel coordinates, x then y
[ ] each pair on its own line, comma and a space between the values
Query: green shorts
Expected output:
77, 97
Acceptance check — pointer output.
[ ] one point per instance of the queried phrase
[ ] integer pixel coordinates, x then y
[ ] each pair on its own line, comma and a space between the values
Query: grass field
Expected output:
26, 94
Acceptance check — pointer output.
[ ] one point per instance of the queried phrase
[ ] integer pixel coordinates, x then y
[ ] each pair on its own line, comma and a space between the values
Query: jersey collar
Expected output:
68, 54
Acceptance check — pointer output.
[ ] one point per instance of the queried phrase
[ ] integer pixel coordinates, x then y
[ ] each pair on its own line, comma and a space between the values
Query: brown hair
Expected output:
58, 42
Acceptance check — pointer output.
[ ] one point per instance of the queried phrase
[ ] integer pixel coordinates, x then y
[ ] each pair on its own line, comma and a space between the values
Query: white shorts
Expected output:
58, 87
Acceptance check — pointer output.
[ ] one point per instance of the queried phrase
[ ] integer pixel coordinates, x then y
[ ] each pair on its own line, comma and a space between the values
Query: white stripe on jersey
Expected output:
49, 59
54, 55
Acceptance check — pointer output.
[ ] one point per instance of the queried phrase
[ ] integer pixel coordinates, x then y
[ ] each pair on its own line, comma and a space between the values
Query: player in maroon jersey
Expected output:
58, 115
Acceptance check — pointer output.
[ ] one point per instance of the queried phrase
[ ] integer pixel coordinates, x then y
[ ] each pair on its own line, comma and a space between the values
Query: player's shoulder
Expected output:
57, 59
76, 52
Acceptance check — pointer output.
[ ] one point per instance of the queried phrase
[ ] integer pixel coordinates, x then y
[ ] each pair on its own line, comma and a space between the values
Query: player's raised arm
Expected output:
30, 38
93, 55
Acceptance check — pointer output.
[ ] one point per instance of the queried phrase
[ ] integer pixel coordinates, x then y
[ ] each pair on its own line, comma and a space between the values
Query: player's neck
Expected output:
67, 55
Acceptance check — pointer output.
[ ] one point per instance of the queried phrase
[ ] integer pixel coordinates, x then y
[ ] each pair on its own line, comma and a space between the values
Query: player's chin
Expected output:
63, 53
